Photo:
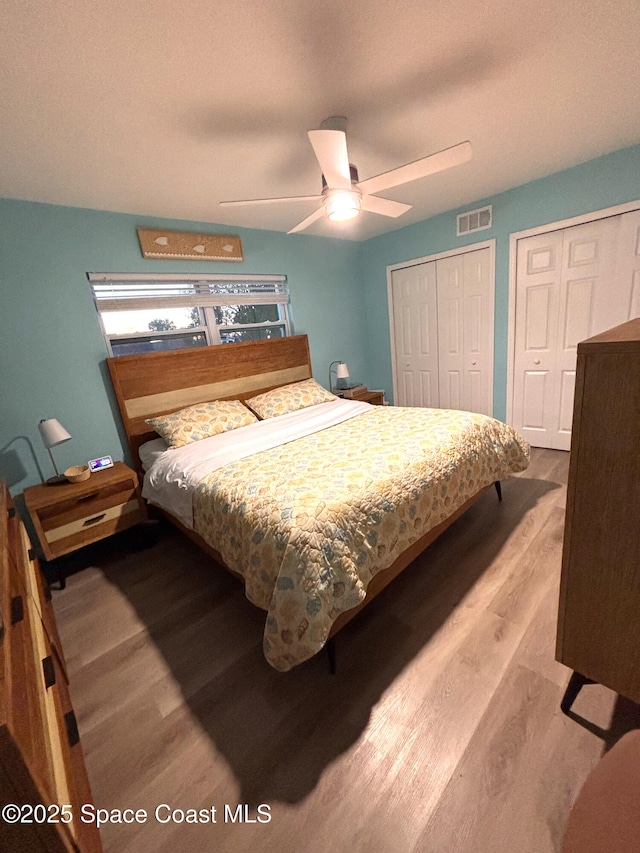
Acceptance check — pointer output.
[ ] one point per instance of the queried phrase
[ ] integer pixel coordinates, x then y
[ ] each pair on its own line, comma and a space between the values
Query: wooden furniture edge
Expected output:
571, 489
30, 640
625, 333
619, 339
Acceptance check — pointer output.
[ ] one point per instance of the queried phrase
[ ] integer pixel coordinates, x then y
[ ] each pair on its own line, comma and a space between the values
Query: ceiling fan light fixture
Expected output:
341, 205
343, 195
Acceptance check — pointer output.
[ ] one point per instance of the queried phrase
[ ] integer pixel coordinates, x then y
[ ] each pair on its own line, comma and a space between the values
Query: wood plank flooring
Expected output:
440, 733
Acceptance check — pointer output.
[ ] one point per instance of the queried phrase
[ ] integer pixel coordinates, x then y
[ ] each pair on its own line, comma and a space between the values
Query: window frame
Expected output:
134, 291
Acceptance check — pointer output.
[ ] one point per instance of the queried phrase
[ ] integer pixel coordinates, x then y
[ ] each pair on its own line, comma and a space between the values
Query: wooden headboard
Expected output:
157, 383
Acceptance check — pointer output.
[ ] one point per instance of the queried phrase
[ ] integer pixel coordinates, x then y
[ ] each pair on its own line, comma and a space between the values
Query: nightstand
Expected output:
376, 398
68, 516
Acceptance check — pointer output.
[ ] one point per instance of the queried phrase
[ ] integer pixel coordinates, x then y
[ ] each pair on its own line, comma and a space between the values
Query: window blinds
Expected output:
131, 291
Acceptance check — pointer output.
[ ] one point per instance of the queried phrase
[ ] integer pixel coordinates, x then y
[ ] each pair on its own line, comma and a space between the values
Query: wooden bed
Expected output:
153, 384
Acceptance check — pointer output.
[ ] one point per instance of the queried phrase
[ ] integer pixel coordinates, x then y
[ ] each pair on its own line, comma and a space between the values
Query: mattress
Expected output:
310, 518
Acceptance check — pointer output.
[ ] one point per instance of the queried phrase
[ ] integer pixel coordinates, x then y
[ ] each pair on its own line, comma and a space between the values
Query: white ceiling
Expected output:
166, 107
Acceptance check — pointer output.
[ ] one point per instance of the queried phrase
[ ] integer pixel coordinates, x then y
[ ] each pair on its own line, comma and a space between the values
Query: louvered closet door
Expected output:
570, 285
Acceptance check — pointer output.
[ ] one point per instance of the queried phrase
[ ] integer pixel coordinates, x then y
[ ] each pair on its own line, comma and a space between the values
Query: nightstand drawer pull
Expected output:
73, 735
17, 610
94, 520
49, 672
11, 512
88, 497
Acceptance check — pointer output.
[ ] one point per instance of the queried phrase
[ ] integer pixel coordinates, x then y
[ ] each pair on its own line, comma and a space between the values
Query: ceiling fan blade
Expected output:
269, 200
317, 214
453, 156
384, 206
330, 148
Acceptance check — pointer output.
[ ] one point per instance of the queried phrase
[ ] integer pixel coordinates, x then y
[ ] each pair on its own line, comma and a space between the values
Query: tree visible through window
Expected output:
146, 314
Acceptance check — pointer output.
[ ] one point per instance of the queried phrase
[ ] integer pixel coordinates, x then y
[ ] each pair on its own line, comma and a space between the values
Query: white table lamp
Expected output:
341, 372
53, 433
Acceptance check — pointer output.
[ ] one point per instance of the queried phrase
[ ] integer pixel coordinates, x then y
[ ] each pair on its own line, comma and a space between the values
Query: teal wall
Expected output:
595, 185
52, 353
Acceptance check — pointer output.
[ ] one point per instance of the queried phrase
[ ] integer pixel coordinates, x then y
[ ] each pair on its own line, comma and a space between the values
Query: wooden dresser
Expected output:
42, 768
599, 616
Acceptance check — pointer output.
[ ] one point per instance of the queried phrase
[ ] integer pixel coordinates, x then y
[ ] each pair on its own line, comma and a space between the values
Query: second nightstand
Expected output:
376, 398
68, 516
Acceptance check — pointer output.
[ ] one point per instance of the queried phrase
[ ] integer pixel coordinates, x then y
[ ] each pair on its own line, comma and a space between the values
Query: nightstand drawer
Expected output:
80, 507
94, 520
82, 531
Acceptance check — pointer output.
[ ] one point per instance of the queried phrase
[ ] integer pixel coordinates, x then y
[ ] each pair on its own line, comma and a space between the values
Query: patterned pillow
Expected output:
289, 398
201, 421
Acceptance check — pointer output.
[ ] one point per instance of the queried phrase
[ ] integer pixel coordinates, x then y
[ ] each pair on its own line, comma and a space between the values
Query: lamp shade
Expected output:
342, 371
52, 432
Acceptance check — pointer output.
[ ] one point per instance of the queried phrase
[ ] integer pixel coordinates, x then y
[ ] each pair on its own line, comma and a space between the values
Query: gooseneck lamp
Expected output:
53, 433
341, 372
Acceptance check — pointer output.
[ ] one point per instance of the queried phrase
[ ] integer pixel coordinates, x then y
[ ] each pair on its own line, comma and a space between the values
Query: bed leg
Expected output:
331, 654
498, 489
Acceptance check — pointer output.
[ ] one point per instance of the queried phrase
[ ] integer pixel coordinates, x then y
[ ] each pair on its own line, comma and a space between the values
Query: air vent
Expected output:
475, 220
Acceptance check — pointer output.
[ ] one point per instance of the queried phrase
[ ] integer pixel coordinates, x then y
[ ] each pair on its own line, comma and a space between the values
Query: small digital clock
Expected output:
100, 463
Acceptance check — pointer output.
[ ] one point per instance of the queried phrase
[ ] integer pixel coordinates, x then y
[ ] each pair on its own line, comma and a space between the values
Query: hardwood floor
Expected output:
440, 733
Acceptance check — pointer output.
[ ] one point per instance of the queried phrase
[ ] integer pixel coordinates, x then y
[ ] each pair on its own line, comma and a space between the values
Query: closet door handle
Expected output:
536, 361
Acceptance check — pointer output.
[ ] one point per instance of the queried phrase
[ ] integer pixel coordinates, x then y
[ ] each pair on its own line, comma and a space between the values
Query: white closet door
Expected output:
539, 265
415, 326
442, 314
627, 274
570, 284
588, 304
465, 332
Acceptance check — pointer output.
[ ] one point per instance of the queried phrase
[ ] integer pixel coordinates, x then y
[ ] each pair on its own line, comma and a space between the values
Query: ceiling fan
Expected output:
343, 195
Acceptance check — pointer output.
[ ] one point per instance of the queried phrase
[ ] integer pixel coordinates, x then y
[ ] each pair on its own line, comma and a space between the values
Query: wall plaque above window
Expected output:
184, 244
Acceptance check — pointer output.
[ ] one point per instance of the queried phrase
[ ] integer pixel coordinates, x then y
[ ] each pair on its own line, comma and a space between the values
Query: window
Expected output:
147, 313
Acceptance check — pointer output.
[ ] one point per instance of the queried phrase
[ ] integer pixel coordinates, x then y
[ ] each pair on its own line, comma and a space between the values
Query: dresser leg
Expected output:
576, 683
498, 486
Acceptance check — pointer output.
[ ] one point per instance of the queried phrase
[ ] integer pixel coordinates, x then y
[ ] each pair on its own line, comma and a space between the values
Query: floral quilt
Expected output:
310, 522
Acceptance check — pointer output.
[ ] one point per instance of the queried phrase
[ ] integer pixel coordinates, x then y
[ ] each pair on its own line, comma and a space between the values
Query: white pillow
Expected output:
150, 450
